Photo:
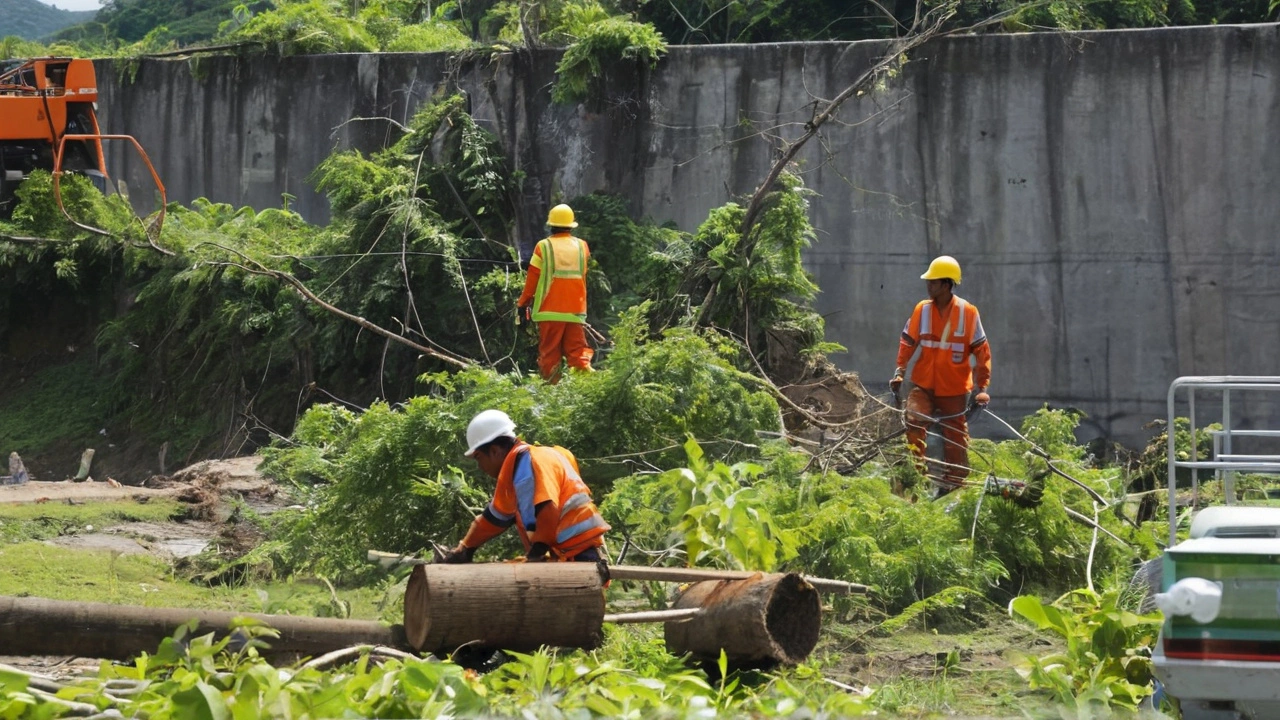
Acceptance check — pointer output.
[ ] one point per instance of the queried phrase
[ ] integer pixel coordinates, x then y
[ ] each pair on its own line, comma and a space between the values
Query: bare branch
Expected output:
293, 282
395, 123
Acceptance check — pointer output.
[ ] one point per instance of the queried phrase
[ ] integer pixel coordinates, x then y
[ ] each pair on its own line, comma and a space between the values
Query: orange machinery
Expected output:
49, 121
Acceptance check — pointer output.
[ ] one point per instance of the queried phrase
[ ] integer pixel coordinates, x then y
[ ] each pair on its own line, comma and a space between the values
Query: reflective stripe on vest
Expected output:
569, 266
926, 324
576, 529
578, 500
926, 317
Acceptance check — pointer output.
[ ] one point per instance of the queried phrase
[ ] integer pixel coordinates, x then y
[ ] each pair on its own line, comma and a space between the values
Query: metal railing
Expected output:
1225, 463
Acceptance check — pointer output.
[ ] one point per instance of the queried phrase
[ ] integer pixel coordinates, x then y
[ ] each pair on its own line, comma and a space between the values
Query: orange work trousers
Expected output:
562, 340
922, 406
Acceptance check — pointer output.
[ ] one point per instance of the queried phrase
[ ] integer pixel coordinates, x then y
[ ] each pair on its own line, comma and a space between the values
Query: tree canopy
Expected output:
143, 26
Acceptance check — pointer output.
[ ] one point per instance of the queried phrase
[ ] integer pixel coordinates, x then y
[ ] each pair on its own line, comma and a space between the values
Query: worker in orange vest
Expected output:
948, 332
539, 491
555, 296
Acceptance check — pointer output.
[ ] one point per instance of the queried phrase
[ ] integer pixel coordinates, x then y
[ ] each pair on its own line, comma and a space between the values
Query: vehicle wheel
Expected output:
1148, 580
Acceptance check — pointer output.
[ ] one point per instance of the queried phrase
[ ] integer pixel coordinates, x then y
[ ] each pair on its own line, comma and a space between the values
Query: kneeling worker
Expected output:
539, 491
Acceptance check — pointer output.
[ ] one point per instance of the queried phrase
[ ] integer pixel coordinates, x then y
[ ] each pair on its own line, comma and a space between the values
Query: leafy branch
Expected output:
256, 268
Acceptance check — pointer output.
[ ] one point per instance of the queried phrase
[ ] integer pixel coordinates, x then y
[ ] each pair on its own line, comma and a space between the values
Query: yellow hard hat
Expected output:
943, 267
561, 216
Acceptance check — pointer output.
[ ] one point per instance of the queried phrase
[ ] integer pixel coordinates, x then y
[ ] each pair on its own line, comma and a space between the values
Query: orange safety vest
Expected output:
561, 294
946, 344
533, 474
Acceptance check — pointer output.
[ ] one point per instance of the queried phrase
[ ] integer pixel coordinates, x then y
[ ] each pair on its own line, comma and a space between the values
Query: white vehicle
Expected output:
1219, 649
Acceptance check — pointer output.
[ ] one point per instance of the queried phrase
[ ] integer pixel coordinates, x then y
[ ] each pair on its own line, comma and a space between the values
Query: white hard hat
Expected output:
486, 427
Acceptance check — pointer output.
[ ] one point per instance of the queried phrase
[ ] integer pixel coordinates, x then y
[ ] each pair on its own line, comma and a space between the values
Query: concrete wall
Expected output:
1111, 196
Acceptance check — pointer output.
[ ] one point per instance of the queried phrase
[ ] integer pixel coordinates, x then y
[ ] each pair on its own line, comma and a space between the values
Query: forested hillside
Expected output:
32, 20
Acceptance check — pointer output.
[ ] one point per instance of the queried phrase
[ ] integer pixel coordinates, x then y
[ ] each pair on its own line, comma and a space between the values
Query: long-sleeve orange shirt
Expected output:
947, 338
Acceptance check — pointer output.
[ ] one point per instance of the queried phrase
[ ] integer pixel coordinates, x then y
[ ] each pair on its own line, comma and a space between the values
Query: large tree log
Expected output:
512, 606
37, 626
760, 621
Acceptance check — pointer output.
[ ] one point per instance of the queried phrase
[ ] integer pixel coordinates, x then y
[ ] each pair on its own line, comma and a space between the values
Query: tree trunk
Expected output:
758, 622
512, 606
38, 626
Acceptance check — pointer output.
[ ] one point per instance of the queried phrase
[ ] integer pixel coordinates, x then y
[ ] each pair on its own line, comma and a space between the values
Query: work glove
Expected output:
458, 555
896, 383
524, 313
538, 552
981, 399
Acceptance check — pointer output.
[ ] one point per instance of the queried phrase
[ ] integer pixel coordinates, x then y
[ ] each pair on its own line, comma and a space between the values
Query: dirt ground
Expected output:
204, 487
234, 475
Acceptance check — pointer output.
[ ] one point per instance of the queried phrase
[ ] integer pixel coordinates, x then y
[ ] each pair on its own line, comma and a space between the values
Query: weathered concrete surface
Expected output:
1112, 196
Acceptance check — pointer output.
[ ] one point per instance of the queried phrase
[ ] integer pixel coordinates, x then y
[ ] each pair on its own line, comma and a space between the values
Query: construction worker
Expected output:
948, 332
555, 296
539, 491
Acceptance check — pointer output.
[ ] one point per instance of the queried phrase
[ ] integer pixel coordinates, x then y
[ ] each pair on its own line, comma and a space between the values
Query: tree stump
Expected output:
509, 606
758, 622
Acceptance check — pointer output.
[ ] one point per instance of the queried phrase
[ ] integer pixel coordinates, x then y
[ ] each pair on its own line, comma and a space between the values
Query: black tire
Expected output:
1147, 580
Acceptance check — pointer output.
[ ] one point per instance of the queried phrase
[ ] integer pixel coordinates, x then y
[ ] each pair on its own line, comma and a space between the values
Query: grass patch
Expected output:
20, 523
57, 404
35, 569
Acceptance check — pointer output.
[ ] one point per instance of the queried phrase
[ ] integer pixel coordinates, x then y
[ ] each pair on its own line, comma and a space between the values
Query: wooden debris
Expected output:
686, 575
760, 621
512, 606
37, 626
649, 616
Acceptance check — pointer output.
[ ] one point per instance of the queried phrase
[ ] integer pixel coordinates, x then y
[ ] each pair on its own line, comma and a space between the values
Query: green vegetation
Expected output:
206, 333
20, 523
1107, 659
38, 570
34, 20
605, 52
58, 404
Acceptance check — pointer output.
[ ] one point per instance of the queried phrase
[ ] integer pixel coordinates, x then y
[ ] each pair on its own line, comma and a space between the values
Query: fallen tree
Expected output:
37, 626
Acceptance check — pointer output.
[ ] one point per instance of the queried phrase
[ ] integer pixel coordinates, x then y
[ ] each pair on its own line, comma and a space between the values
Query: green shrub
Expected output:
304, 28
605, 45
428, 37
1107, 659
395, 479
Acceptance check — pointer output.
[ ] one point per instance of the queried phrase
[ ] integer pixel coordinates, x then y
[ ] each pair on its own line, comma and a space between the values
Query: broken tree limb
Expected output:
685, 575
38, 626
339, 657
386, 560
511, 606
758, 621
1081, 518
651, 616
1048, 459
311, 297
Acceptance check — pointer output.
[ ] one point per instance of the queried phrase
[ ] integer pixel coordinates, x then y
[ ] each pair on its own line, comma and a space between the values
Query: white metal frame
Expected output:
1225, 463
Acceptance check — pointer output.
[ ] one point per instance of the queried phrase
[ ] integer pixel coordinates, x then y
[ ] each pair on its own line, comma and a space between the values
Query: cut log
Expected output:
687, 575
758, 622
509, 606
37, 626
